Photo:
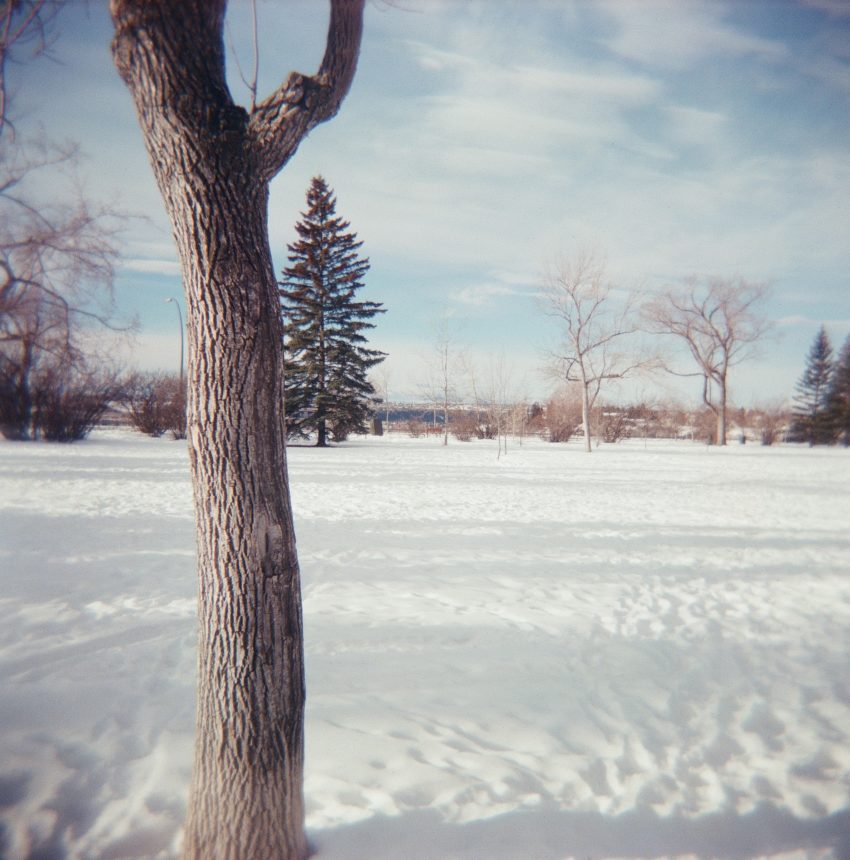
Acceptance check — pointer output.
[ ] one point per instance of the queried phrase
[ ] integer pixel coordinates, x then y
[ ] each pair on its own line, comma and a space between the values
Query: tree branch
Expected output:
21, 22
280, 122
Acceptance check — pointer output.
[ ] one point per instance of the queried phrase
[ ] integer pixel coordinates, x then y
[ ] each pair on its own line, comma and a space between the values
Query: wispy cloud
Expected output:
479, 295
799, 320
834, 8
831, 70
154, 267
621, 88
511, 146
500, 283
696, 126
675, 34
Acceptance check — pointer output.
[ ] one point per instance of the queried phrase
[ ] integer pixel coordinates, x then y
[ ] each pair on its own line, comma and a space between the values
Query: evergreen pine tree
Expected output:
325, 353
839, 395
812, 421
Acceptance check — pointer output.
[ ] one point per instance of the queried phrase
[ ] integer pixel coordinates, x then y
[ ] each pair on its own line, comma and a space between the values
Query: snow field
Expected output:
640, 653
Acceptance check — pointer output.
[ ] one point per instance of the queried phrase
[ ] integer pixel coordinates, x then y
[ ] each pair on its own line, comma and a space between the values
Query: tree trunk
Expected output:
249, 744
246, 787
585, 417
246, 797
213, 163
24, 405
721, 415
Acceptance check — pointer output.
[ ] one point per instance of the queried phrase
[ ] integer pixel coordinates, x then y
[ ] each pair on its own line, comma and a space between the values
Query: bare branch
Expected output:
23, 22
57, 260
250, 85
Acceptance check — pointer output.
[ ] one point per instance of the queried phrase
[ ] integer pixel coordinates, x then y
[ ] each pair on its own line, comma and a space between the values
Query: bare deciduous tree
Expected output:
382, 377
440, 386
56, 268
499, 399
57, 254
213, 162
719, 320
595, 330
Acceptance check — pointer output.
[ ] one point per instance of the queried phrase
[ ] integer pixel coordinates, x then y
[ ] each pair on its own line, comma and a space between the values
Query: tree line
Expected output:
57, 264
51, 388
711, 325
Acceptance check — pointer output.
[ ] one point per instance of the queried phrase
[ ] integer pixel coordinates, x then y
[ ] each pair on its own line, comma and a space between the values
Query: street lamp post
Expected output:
180, 316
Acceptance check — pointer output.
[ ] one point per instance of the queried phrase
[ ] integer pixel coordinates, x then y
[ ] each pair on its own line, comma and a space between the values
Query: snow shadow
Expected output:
548, 833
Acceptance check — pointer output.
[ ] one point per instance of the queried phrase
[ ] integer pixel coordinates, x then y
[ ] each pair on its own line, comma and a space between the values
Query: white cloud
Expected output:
834, 8
480, 295
466, 170
145, 350
512, 147
696, 126
433, 59
469, 160
156, 267
793, 320
621, 88
676, 34
831, 70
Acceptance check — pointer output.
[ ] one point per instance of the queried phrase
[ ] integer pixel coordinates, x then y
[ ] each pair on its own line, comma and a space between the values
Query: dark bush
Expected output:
68, 403
15, 408
614, 426
156, 404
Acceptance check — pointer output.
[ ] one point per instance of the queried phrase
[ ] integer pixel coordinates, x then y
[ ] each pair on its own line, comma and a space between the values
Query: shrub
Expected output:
156, 404
614, 426
772, 423
68, 403
416, 428
465, 427
563, 416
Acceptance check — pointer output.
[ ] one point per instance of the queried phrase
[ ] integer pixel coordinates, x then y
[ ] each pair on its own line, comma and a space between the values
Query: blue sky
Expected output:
483, 140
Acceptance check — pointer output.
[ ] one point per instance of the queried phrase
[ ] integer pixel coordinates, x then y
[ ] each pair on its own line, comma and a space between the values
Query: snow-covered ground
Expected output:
640, 653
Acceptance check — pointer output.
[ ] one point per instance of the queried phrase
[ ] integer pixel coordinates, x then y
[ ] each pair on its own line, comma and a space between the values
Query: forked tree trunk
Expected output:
213, 163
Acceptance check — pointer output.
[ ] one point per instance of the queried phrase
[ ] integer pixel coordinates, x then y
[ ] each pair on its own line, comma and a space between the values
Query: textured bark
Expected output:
213, 162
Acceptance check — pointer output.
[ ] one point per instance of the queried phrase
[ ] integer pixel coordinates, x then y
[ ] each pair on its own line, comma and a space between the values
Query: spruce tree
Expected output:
812, 421
326, 358
839, 396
